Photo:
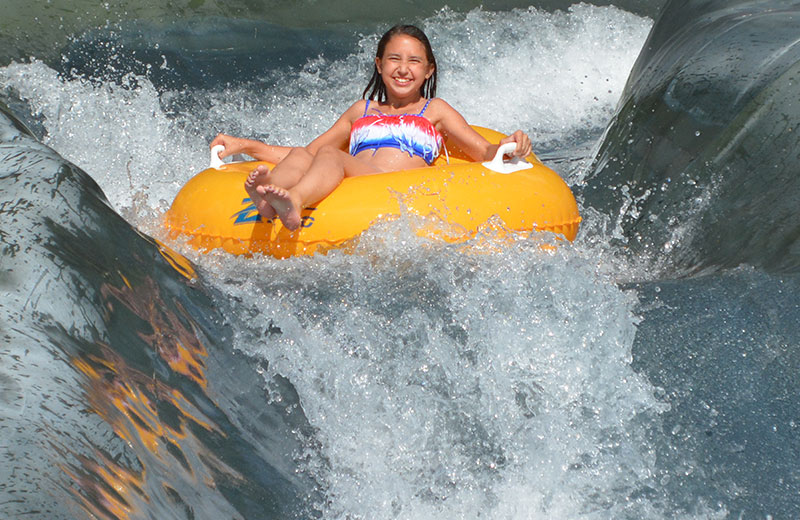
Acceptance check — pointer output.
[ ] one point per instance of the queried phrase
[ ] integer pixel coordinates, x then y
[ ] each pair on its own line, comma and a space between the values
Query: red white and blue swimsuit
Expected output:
411, 133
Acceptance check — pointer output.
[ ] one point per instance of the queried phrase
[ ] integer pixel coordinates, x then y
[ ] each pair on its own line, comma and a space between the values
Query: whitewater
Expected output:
406, 378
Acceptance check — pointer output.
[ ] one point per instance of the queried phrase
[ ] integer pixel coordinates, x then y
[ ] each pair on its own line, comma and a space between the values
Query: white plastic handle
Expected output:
216, 162
514, 165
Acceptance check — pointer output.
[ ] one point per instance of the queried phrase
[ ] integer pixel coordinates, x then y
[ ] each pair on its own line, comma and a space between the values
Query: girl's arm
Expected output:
338, 135
255, 149
453, 125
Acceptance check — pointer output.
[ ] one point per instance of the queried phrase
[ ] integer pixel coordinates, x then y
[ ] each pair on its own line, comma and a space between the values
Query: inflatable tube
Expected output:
214, 211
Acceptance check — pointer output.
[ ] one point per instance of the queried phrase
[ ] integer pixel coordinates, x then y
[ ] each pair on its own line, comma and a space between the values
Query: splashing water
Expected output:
488, 380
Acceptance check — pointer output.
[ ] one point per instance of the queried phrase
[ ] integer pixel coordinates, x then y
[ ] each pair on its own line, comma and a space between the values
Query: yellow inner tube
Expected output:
214, 211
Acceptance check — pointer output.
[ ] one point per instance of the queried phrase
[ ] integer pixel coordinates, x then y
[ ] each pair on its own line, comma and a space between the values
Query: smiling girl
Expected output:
399, 125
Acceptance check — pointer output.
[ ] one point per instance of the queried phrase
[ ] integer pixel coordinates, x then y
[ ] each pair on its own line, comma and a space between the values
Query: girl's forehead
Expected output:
404, 42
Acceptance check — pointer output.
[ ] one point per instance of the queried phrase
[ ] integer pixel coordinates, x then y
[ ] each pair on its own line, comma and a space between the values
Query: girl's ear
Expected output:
378, 65
431, 68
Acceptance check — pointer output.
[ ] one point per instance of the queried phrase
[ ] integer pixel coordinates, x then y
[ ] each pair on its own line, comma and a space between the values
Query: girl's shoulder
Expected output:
357, 109
360, 104
439, 106
440, 110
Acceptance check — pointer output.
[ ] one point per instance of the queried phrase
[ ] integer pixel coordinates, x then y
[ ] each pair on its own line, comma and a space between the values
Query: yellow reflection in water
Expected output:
142, 409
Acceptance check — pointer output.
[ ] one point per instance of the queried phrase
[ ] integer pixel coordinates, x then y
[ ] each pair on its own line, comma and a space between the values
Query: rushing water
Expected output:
407, 378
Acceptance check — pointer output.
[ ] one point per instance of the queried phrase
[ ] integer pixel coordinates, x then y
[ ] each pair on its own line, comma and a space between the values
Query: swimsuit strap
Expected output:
366, 108
425, 107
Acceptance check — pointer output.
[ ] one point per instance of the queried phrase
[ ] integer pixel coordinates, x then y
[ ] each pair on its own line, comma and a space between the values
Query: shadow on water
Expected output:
700, 159
121, 395
209, 44
724, 349
699, 166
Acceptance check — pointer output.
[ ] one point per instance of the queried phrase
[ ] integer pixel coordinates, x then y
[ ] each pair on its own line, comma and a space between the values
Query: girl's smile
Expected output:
404, 66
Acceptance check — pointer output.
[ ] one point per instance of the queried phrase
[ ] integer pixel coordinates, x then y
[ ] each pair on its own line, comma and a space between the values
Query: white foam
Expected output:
441, 383
120, 136
551, 74
555, 75
446, 383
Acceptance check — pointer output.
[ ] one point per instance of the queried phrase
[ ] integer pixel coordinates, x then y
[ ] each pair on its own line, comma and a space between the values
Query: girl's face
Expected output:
404, 66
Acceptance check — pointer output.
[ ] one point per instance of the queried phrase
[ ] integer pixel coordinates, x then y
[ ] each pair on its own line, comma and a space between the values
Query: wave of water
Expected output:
700, 161
140, 142
442, 384
411, 379
200, 31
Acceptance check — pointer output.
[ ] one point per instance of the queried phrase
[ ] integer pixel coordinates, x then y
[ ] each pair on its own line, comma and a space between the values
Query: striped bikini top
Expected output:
410, 133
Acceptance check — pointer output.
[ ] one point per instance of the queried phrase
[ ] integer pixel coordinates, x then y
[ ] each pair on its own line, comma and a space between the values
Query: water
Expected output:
410, 378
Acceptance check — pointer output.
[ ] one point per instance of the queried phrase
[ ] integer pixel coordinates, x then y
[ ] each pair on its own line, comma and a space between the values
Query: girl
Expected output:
401, 125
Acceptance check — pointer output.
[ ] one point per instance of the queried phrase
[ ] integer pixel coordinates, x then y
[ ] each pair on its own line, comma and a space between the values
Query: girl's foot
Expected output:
281, 201
257, 178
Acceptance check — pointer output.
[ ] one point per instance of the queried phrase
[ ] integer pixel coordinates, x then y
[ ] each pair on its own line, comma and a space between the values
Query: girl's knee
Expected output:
297, 158
329, 155
298, 153
329, 151
330, 158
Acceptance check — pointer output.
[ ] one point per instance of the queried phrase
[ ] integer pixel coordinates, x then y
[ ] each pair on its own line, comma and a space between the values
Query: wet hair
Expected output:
377, 89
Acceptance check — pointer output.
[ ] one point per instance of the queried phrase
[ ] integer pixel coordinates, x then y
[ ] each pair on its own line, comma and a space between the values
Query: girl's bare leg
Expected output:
291, 169
329, 167
285, 174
